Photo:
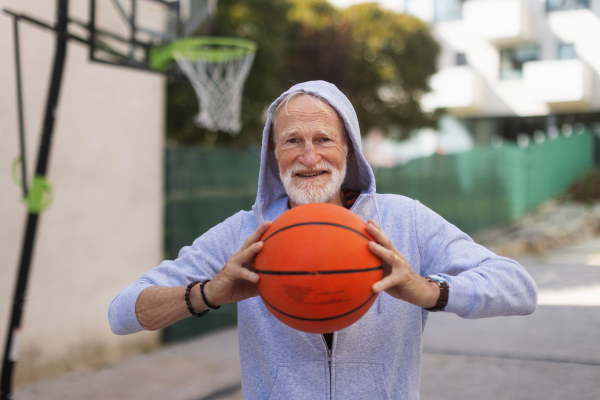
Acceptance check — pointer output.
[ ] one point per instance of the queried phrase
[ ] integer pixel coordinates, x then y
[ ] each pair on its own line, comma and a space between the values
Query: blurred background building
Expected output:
515, 69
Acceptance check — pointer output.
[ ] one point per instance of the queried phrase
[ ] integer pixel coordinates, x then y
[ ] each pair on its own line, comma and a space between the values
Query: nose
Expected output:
310, 155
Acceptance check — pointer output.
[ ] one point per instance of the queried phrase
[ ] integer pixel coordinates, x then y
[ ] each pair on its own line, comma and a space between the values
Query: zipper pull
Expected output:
329, 352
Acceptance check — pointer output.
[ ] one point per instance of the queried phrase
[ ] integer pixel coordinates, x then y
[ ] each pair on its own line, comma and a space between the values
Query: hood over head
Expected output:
271, 199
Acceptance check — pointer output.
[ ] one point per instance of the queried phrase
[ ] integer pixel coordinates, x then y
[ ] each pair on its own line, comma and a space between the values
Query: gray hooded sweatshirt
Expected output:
378, 357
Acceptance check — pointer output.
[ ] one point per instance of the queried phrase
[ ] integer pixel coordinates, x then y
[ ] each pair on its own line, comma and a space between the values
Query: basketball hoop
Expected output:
217, 67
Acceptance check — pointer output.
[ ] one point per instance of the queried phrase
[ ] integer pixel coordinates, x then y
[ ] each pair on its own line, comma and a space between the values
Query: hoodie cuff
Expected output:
121, 313
461, 299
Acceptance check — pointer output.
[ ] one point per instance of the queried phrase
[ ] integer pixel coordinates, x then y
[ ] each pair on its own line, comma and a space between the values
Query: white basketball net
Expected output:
218, 86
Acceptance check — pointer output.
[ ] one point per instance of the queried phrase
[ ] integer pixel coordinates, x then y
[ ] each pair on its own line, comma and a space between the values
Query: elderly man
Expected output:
311, 153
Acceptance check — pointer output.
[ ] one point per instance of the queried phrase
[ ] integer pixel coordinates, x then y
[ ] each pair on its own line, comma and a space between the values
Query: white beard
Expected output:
319, 190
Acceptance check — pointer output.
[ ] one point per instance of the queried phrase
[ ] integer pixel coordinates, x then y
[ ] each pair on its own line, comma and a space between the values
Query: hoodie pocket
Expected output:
360, 380
301, 381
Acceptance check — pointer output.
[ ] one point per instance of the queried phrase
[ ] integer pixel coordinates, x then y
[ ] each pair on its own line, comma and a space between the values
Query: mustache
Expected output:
319, 167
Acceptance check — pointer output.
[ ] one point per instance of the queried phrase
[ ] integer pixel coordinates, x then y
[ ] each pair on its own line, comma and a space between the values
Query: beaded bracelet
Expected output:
189, 304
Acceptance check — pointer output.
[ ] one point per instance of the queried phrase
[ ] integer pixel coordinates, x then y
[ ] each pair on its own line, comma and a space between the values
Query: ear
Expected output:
349, 144
350, 151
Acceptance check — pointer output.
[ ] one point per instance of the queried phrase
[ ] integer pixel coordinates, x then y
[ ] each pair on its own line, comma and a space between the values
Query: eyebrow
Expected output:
328, 133
287, 133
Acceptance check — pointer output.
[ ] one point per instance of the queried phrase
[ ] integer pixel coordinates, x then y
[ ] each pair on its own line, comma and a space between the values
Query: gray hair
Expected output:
317, 100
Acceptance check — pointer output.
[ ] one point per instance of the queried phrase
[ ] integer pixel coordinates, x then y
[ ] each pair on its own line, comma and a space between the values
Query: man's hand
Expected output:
400, 280
236, 281
158, 307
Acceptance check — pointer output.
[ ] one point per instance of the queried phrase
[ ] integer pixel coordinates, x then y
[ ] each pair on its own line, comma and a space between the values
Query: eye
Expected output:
293, 140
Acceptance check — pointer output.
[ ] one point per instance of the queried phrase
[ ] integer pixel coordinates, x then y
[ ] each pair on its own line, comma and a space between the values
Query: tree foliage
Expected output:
380, 59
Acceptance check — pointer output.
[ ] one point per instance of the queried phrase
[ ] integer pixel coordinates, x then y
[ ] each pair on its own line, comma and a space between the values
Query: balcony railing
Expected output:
563, 5
502, 22
447, 10
562, 84
458, 89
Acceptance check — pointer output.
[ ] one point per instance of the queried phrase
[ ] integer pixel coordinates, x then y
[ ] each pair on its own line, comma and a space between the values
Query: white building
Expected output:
514, 67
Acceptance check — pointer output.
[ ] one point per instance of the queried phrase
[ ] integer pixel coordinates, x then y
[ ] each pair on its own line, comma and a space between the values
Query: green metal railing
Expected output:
473, 190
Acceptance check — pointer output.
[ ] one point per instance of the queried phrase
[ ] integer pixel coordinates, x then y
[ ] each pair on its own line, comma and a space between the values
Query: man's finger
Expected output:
371, 221
379, 236
246, 255
388, 256
256, 235
243, 273
387, 282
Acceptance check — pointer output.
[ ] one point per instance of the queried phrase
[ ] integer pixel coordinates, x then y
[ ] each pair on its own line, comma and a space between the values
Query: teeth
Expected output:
309, 175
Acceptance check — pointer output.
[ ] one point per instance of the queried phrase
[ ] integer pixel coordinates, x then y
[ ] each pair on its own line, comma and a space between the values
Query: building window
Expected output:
461, 59
447, 10
562, 5
512, 60
566, 51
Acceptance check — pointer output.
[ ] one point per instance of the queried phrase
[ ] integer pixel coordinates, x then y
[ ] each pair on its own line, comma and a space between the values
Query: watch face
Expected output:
437, 278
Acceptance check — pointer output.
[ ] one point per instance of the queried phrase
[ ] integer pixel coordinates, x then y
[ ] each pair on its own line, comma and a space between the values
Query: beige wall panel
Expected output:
104, 228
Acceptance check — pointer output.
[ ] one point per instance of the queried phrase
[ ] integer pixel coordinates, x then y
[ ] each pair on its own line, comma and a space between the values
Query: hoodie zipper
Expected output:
329, 351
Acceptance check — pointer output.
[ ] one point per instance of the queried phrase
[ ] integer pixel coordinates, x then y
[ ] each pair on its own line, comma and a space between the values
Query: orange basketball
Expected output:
316, 271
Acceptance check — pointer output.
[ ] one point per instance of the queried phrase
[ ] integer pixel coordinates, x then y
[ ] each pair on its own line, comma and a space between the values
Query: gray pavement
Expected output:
207, 369
552, 354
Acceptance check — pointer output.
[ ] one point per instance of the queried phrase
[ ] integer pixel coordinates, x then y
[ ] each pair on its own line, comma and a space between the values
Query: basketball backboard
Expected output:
122, 32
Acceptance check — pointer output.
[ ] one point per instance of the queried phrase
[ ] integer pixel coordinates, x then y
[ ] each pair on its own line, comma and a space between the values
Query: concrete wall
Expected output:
104, 228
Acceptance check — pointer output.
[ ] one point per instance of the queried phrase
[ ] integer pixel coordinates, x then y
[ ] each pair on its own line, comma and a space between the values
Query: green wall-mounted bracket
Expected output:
40, 194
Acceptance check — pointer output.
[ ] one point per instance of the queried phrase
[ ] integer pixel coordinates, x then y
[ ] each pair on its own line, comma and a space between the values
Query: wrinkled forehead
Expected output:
303, 108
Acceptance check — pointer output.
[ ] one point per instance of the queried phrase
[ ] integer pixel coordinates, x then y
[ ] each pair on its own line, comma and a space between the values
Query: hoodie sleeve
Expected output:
482, 284
202, 260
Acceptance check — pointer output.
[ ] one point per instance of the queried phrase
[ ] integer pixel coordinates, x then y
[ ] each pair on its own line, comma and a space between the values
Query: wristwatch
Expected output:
444, 292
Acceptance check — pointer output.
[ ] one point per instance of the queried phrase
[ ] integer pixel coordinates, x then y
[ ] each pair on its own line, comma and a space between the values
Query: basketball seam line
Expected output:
328, 272
317, 319
316, 223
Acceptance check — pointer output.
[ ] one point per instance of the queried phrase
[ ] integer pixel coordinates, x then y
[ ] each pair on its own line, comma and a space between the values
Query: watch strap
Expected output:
442, 301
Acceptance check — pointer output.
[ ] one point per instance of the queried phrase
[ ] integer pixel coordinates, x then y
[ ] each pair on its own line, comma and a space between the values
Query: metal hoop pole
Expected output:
11, 349
20, 106
133, 27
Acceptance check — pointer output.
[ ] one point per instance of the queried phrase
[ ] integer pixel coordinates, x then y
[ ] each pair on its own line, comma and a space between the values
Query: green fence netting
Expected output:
203, 188
487, 186
474, 190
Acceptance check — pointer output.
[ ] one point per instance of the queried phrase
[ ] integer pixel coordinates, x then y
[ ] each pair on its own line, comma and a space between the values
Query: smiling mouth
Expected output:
310, 174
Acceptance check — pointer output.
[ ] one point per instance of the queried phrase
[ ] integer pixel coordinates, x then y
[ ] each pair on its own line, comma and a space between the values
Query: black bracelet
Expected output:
189, 304
204, 297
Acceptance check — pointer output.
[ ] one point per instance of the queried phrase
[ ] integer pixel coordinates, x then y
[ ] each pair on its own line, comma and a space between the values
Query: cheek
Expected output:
338, 155
286, 159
